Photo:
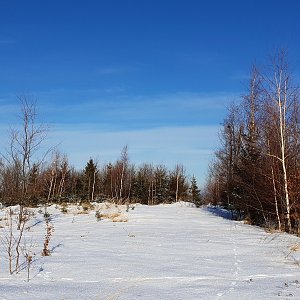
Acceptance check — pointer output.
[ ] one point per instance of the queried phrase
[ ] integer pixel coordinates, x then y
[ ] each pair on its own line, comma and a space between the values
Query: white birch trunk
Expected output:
282, 128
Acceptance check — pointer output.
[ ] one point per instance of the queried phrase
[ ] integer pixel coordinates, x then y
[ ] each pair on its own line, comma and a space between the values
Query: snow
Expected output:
172, 251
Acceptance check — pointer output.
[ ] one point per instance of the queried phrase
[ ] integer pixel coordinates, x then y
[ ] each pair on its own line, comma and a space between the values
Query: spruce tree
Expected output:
195, 193
90, 174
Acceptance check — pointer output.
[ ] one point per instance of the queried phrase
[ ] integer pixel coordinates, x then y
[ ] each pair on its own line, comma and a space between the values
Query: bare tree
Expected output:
13, 241
257, 166
177, 187
124, 168
25, 142
56, 176
282, 98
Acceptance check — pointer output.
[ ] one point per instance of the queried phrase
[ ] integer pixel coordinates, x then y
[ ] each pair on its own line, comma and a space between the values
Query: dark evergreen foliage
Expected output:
257, 169
195, 193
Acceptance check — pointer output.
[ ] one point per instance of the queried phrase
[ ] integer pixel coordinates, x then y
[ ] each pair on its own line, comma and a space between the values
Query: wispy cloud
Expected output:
171, 128
119, 110
192, 146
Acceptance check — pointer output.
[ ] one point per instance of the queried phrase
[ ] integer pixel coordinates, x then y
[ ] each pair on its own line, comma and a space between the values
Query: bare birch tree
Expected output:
280, 92
25, 142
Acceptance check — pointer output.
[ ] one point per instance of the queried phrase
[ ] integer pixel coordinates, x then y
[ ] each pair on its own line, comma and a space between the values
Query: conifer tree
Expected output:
90, 173
195, 193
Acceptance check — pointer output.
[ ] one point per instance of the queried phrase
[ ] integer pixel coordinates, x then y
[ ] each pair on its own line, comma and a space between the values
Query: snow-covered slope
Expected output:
160, 252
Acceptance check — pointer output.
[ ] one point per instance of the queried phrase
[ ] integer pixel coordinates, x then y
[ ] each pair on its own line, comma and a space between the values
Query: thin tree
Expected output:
24, 145
283, 96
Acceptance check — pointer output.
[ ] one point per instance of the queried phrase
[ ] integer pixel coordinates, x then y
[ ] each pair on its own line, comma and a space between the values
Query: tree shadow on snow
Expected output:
221, 212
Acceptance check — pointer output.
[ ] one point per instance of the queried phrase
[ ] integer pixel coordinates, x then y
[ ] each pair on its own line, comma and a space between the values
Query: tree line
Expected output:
27, 180
256, 170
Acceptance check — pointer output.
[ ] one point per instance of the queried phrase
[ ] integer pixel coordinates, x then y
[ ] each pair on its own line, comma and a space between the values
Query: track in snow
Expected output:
162, 252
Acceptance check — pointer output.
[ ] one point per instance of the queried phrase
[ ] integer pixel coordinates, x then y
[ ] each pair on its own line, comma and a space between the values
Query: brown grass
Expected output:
87, 206
64, 209
295, 247
83, 212
114, 217
272, 230
120, 220
247, 221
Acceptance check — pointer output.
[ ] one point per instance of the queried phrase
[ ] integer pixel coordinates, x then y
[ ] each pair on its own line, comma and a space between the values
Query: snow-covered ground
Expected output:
157, 252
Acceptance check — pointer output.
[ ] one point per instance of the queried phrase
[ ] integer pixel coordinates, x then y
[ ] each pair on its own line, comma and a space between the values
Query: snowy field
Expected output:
158, 252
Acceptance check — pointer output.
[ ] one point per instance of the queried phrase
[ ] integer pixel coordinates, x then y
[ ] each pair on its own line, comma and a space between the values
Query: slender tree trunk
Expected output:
282, 127
121, 182
274, 187
61, 185
177, 186
93, 186
51, 186
10, 242
18, 242
54, 186
275, 198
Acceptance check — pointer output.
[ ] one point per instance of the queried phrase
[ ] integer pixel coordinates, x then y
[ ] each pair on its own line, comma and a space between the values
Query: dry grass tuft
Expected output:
114, 217
64, 208
248, 221
111, 216
86, 206
124, 220
295, 247
82, 212
272, 230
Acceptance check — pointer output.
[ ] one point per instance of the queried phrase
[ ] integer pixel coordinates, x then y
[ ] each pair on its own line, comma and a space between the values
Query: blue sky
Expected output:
155, 75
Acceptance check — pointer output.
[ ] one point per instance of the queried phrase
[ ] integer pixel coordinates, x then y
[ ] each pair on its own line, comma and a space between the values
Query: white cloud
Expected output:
141, 111
191, 146
170, 129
